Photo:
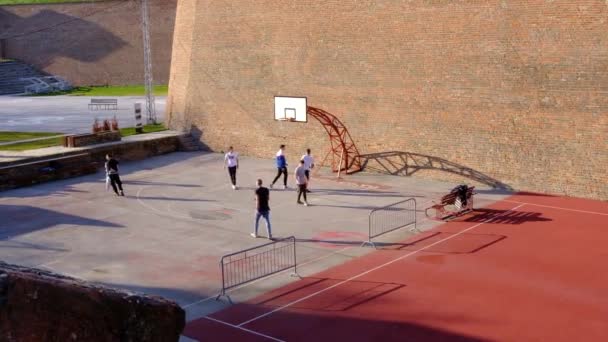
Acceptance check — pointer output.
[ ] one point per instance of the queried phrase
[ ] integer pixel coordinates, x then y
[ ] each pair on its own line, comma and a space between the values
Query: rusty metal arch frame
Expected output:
343, 151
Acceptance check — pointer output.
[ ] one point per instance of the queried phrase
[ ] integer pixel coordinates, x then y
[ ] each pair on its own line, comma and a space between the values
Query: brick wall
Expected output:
514, 90
90, 43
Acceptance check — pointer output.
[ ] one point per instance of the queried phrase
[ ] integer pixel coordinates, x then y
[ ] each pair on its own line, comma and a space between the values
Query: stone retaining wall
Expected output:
37, 305
81, 162
87, 139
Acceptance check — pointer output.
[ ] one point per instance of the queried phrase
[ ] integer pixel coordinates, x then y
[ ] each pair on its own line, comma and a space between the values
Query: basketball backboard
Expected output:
290, 108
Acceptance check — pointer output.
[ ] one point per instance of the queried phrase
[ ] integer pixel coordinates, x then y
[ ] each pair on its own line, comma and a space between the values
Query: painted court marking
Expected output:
561, 208
244, 329
261, 279
300, 265
375, 268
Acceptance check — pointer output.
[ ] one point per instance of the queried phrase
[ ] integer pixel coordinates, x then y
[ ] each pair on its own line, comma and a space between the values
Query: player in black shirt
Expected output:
262, 198
112, 173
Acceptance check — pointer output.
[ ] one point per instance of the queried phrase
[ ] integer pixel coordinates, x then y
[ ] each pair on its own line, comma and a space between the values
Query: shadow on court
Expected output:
360, 193
330, 319
488, 215
150, 183
13, 244
401, 163
24, 219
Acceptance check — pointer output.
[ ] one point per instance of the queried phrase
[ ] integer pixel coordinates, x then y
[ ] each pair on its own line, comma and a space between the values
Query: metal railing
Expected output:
257, 262
391, 217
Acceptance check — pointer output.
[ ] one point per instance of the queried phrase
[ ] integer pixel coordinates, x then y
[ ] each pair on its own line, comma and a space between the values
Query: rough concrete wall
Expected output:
90, 43
37, 305
512, 90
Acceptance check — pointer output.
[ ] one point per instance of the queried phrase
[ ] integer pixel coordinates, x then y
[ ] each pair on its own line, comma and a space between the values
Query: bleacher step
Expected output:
11, 74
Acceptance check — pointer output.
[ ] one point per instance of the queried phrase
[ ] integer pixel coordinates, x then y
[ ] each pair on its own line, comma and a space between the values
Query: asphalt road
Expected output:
66, 114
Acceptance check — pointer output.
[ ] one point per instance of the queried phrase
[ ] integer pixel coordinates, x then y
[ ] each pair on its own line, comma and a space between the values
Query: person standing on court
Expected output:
262, 208
281, 167
309, 163
231, 160
112, 172
300, 175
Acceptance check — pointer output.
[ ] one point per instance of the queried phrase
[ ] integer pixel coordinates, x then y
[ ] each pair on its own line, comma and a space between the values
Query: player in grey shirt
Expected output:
301, 180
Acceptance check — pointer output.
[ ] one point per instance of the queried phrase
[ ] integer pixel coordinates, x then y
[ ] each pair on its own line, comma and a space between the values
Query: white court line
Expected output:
256, 281
561, 208
302, 264
244, 329
376, 268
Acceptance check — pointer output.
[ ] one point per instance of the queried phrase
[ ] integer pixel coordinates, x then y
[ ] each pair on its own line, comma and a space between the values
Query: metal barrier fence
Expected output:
257, 262
391, 217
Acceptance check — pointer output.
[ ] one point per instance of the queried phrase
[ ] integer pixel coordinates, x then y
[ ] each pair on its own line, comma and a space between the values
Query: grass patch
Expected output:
125, 132
129, 90
27, 2
15, 136
31, 145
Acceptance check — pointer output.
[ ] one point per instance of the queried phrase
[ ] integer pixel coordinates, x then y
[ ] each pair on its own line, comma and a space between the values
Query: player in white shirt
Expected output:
309, 163
231, 160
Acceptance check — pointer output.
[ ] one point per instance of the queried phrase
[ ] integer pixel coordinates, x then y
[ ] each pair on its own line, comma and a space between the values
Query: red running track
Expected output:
529, 268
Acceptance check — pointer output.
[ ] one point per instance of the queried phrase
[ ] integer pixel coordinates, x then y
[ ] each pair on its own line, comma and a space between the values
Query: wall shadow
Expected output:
197, 136
142, 182
400, 163
41, 38
24, 219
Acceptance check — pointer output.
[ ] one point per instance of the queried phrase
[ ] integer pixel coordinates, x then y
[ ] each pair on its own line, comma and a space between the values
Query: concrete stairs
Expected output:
10, 74
187, 143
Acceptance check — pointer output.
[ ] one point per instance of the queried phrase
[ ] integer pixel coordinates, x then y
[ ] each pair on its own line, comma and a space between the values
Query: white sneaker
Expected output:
306, 204
253, 235
234, 187
285, 187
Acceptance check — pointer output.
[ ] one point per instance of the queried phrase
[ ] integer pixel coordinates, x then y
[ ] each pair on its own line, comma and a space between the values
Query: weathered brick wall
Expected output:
90, 43
180, 66
37, 305
515, 90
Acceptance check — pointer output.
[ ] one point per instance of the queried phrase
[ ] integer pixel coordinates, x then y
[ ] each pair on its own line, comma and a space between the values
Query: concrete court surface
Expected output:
180, 216
66, 114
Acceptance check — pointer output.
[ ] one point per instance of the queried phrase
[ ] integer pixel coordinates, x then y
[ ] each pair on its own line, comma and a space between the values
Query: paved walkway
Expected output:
65, 114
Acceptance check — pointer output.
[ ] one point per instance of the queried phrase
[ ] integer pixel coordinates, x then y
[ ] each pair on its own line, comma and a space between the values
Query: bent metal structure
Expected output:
342, 151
